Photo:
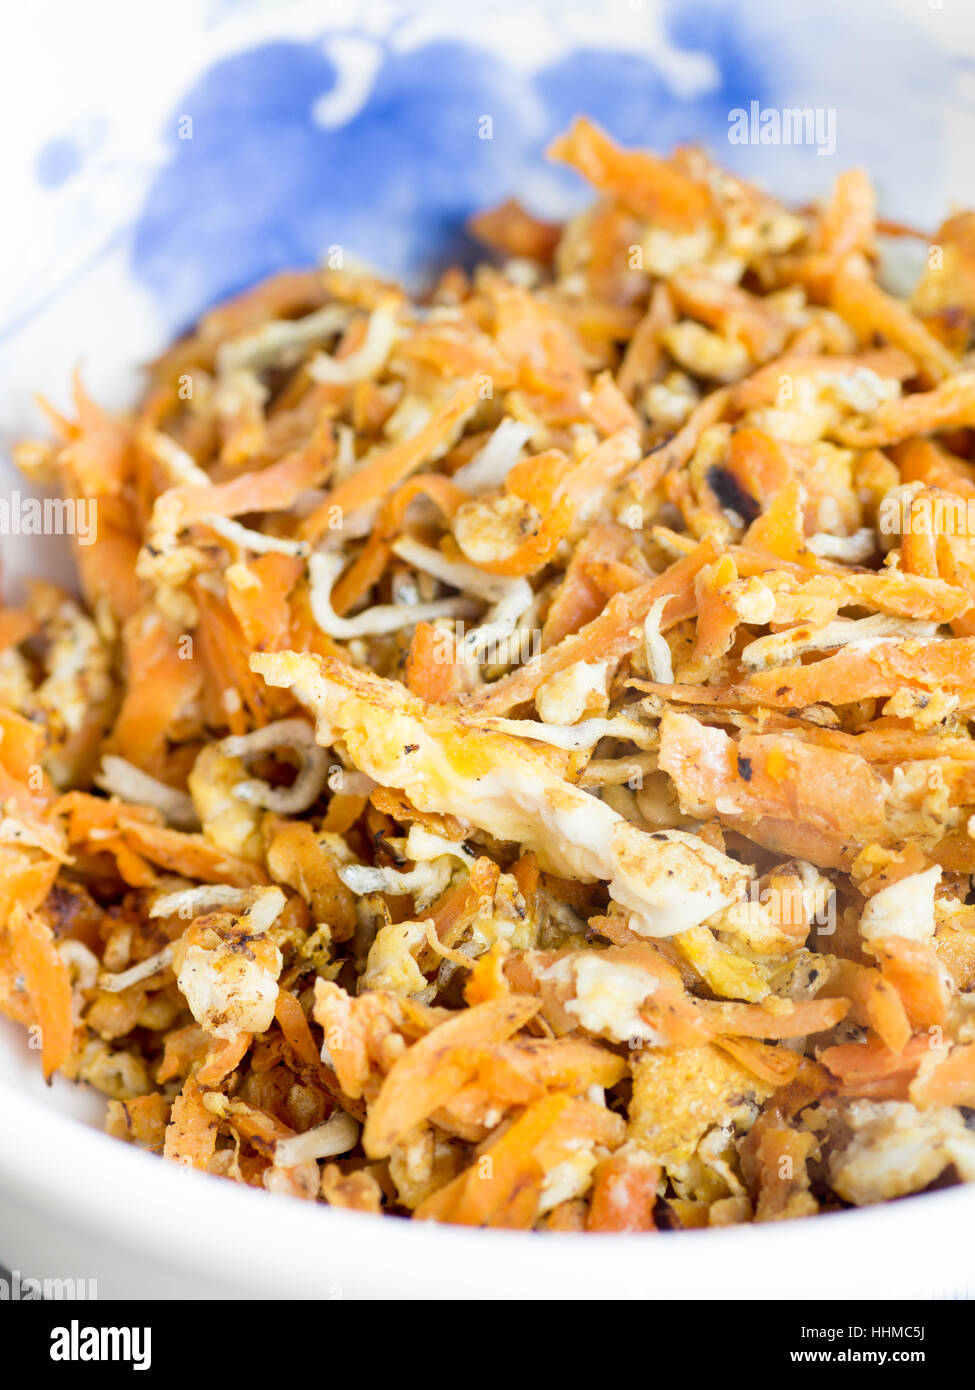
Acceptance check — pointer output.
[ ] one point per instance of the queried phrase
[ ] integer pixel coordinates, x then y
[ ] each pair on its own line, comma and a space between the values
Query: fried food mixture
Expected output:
512, 761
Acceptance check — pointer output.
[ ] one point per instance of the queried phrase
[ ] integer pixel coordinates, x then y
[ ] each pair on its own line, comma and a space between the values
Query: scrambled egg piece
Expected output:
681, 1093
392, 963
705, 353
573, 694
227, 968
896, 1149
450, 763
228, 821
608, 995
904, 908
493, 527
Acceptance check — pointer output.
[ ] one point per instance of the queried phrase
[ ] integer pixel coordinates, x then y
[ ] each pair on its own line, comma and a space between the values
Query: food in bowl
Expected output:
510, 763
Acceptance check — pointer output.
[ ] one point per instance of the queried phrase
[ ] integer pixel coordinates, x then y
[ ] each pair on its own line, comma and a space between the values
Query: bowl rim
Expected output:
249, 1239
260, 1245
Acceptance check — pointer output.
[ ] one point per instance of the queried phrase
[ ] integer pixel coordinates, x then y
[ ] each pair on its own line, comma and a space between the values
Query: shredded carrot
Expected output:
610, 635
951, 1081
191, 1135
872, 1061
770, 1063
274, 488
515, 231
435, 1067
192, 855
675, 452
623, 1196
848, 221
46, 982
294, 1026
375, 479
872, 311
429, 673
369, 565
223, 1058
162, 684
644, 359
650, 186
914, 972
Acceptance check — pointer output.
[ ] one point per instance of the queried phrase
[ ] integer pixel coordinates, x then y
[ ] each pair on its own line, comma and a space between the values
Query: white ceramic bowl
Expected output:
257, 135
76, 1204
